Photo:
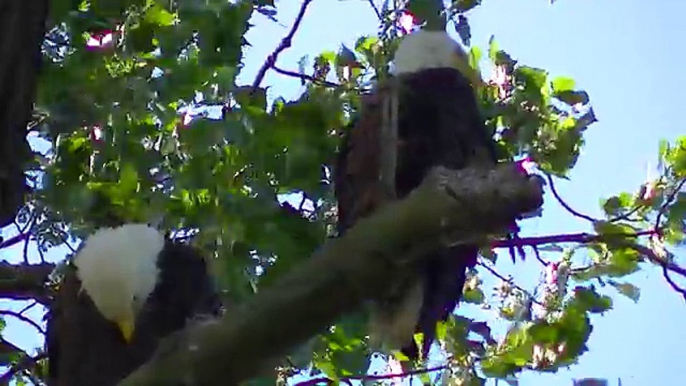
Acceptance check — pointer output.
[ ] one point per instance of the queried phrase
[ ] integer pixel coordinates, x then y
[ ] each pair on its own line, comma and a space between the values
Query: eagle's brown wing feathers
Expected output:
438, 124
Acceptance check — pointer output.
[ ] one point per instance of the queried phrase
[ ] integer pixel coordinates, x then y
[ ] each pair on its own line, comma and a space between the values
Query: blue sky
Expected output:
626, 55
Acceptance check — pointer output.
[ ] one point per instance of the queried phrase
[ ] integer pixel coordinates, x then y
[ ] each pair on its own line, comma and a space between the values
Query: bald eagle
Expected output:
438, 123
127, 288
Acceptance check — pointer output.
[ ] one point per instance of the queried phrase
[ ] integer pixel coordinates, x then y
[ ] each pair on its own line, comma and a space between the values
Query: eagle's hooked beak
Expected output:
126, 326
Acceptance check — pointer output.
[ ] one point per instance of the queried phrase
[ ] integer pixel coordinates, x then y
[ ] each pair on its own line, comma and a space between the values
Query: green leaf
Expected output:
627, 289
572, 97
618, 205
329, 370
591, 301
428, 11
474, 296
562, 84
492, 48
623, 262
367, 44
128, 180
606, 228
474, 57
534, 79
157, 15
676, 157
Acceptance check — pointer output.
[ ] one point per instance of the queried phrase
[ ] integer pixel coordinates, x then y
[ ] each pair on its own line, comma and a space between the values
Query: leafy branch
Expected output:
25, 362
511, 282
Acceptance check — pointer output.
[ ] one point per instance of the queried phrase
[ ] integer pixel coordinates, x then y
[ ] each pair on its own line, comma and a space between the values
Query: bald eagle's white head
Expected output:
118, 270
423, 49
426, 49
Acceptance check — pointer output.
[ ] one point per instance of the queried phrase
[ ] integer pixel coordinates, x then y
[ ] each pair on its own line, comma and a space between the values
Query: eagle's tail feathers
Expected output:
443, 285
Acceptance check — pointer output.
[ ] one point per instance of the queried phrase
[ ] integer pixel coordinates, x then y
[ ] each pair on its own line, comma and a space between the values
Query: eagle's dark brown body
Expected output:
438, 124
85, 349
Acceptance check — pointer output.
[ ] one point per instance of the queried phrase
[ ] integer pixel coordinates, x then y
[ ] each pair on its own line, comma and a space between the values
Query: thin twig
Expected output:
581, 237
298, 75
40, 253
666, 265
376, 10
584, 238
23, 318
626, 215
668, 202
511, 282
564, 204
672, 283
650, 254
315, 381
28, 307
537, 253
14, 240
285, 44
26, 250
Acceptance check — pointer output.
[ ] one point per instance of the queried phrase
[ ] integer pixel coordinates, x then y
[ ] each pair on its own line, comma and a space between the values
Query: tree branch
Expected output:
14, 240
376, 10
25, 281
23, 318
26, 362
285, 44
311, 78
580, 238
511, 282
342, 275
564, 204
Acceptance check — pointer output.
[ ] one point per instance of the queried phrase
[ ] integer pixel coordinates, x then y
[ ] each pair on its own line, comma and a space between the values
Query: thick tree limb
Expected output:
341, 276
25, 281
20, 60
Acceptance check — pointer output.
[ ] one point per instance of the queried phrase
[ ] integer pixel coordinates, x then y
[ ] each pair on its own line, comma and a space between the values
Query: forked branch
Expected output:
343, 274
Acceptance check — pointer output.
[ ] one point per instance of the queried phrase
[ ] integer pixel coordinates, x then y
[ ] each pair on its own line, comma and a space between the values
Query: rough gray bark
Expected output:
341, 276
23, 28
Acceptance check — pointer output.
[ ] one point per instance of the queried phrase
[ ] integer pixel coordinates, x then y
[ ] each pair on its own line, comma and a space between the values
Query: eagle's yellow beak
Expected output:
126, 327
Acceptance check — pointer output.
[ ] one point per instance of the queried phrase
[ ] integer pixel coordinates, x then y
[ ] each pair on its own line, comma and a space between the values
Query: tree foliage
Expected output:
139, 104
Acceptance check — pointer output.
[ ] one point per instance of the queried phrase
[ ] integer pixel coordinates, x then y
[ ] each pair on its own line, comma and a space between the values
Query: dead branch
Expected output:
310, 78
449, 206
283, 45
